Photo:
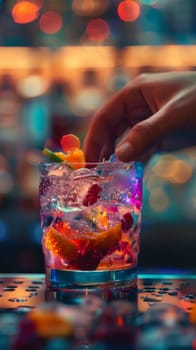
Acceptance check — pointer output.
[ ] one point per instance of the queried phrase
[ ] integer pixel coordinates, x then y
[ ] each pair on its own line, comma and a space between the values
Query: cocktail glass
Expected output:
91, 221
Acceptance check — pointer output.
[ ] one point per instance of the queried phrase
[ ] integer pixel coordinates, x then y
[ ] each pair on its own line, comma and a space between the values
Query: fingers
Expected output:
148, 109
111, 121
172, 116
137, 141
105, 126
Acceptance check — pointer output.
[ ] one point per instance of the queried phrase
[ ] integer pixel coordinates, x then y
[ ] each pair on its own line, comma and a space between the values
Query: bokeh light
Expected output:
128, 10
181, 172
25, 12
51, 22
158, 200
90, 7
32, 86
153, 181
98, 30
176, 171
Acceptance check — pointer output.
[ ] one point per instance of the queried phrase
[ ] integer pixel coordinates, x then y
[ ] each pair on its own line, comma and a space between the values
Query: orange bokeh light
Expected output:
25, 12
50, 22
128, 10
98, 30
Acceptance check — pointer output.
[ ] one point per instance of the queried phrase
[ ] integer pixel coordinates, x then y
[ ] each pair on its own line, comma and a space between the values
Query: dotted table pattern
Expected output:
23, 292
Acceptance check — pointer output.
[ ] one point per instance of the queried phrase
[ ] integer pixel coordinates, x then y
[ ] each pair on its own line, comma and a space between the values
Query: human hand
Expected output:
137, 117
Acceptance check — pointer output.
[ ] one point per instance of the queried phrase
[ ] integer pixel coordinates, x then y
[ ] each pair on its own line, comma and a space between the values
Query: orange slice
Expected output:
59, 245
70, 142
49, 324
97, 244
102, 218
108, 239
102, 241
63, 227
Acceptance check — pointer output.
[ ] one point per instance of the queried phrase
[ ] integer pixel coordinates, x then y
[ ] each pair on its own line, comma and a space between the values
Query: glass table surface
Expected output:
23, 291
20, 293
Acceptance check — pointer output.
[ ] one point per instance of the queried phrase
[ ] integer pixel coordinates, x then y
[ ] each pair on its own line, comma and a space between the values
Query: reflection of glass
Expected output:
91, 223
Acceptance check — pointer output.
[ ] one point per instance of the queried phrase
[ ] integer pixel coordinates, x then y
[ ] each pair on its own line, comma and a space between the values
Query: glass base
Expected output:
72, 286
92, 279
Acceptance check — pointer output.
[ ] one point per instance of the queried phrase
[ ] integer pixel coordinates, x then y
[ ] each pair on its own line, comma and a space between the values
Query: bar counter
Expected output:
155, 290
19, 291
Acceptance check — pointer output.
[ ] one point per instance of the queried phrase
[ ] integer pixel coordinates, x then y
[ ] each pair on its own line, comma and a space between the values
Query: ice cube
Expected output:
84, 173
113, 158
59, 170
82, 181
80, 226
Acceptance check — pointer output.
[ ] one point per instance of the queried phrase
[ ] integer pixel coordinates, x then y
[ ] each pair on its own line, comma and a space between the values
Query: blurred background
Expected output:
60, 61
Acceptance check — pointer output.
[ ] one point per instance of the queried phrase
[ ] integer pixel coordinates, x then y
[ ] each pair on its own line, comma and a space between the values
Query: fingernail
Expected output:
124, 148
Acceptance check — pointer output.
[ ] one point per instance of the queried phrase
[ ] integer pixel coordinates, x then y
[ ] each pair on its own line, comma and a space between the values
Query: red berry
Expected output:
92, 195
127, 222
88, 261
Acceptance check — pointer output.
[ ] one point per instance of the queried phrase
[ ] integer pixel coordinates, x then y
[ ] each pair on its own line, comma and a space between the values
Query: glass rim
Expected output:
46, 167
106, 162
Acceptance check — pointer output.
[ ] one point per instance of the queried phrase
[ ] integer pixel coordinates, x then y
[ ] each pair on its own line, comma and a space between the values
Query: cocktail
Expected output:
91, 218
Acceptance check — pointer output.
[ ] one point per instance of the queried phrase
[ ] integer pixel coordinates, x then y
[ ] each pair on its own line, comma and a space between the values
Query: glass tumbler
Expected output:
91, 221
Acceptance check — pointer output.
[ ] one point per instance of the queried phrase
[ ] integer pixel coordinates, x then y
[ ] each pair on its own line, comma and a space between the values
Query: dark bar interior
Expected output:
60, 61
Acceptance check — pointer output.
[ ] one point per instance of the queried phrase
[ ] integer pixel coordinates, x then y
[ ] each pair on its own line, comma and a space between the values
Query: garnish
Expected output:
87, 251
51, 155
60, 245
72, 155
70, 142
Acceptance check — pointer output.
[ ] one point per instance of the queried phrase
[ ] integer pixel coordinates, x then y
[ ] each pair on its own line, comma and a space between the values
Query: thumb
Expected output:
172, 116
139, 139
